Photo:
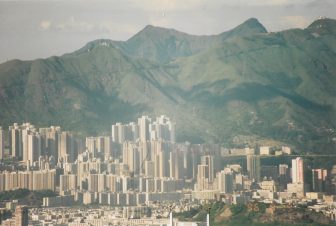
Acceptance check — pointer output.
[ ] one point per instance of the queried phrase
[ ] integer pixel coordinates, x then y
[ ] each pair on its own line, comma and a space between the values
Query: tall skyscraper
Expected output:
176, 165
143, 123
21, 216
33, 148
16, 141
319, 179
225, 180
202, 177
125, 132
49, 140
122, 133
209, 161
284, 175
107, 147
134, 129
253, 167
67, 150
115, 135
162, 129
297, 171
2, 143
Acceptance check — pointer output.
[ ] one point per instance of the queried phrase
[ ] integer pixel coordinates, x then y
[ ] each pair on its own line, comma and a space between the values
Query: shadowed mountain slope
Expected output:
243, 86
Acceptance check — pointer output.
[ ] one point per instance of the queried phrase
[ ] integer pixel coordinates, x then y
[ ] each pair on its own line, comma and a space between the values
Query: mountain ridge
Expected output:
245, 86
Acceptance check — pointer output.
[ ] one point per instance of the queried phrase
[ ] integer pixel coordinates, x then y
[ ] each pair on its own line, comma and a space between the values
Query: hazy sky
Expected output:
32, 29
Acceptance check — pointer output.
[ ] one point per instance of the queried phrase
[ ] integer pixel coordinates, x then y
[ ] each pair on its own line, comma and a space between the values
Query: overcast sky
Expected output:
32, 29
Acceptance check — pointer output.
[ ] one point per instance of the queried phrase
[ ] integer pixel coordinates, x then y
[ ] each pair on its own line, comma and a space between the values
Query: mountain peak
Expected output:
152, 31
253, 24
323, 26
249, 27
148, 28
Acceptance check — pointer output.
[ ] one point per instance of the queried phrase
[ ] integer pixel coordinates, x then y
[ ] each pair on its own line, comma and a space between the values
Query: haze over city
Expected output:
174, 113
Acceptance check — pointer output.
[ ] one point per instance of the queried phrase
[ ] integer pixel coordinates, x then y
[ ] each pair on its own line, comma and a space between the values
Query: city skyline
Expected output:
139, 163
167, 112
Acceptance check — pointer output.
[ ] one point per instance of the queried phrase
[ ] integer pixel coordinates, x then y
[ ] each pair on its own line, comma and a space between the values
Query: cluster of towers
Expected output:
26, 143
145, 130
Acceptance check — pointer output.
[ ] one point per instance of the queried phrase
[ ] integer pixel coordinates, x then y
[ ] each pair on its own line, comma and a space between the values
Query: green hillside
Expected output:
256, 214
243, 86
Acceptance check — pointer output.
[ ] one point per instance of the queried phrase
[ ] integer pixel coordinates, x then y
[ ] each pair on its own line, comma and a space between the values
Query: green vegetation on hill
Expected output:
26, 196
253, 214
243, 86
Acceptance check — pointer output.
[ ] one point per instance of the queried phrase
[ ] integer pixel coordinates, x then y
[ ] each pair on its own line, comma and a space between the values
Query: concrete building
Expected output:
209, 161
21, 216
264, 150
253, 167
66, 151
2, 143
319, 177
202, 177
16, 141
297, 170
225, 180
143, 123
33, 148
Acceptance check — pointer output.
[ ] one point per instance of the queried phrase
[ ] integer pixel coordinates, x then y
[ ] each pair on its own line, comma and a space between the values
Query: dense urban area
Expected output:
139, 175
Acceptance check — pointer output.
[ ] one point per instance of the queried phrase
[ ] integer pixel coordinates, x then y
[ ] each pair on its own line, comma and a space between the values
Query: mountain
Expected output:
163, 45
243, 86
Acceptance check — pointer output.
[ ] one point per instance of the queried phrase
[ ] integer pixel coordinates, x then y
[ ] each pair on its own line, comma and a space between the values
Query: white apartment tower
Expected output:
143, 123
297, 171
2, 144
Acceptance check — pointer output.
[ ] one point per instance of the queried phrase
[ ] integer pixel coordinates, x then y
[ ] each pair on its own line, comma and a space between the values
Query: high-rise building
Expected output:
225, 180
297, 171
33, 148
122, 133
2, 143
51, 138
284, 175
25, 131
149, 169
66, 150
202, 177
96, 182
67, 183
253, 167
16, 141
143, 123
176, 164
162, 129
108, 147
115, 135
99, 146
209, 161
21, 216
319, 179
125, 132
269, 172
163, 164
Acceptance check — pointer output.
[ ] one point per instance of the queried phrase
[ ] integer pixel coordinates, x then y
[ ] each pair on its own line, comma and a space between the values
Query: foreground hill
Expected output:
255, 214
243, 86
